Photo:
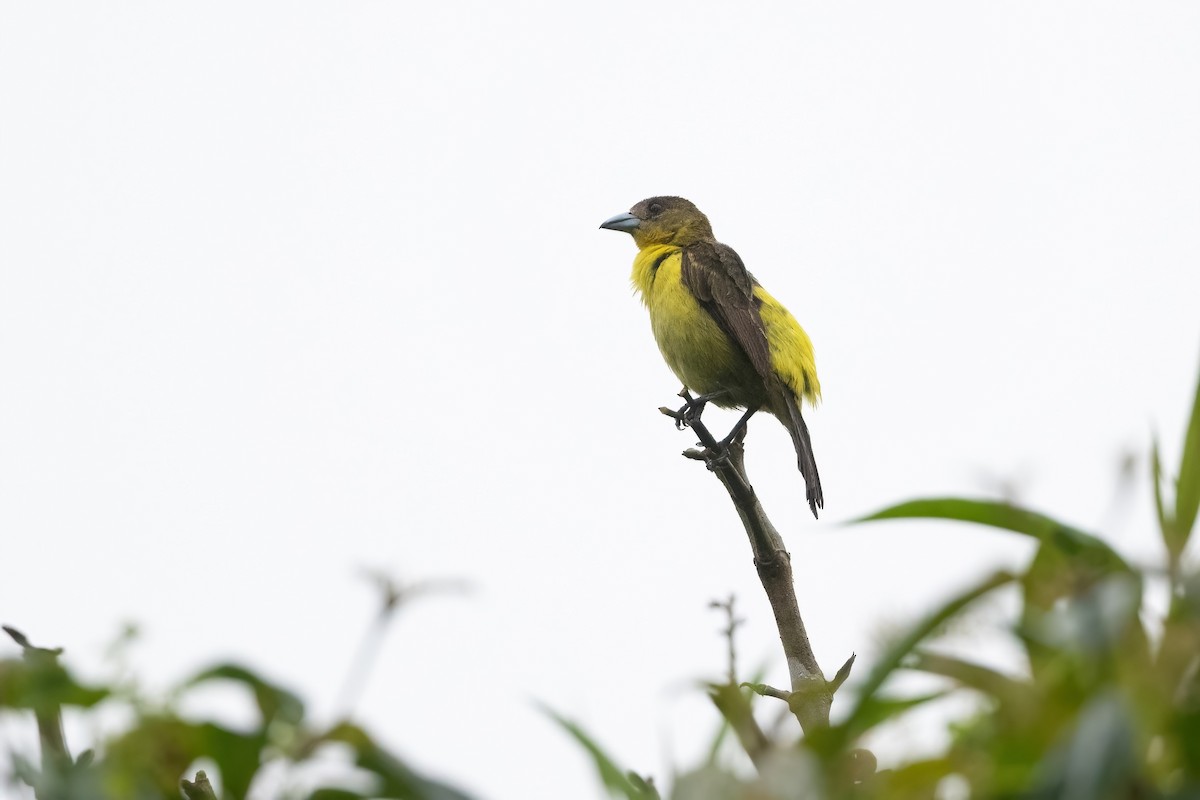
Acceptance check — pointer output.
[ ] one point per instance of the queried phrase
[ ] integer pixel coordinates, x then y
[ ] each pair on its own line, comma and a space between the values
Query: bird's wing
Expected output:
719, 281
717, 278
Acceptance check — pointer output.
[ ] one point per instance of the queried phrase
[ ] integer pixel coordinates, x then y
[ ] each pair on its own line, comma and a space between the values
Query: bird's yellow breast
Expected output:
700, 354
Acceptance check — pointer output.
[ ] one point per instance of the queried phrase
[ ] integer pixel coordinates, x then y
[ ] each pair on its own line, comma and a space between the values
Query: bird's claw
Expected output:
716, 457
693, 408
690, 411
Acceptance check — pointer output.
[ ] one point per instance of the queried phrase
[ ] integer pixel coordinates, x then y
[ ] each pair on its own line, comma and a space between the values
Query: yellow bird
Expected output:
719, 331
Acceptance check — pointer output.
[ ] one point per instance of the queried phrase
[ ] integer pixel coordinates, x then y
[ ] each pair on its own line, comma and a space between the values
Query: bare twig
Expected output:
731, 625
393, 595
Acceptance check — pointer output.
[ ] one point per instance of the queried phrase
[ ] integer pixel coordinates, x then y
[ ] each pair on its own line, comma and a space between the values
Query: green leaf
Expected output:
152, 754
1098, 760
42, 684
1077, 545
336, 794
877, 710
862, 716
1069, 560
916, 779
1187, 486
738, 714
1070, 567
1165, 523
1078, 610
615, 779
273, 701
397, 778
970, 675
237, 754
723, 730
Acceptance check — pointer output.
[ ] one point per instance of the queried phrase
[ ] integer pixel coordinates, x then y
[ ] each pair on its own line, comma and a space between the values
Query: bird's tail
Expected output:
794, 422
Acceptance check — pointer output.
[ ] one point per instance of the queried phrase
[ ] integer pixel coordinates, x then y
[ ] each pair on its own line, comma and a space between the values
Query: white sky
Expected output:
293, 288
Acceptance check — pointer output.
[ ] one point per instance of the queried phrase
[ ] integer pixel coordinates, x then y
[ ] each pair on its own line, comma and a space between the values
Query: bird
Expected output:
722, 334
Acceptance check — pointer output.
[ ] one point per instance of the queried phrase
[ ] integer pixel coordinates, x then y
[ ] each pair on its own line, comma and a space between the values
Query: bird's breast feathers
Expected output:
700, 353
695, 348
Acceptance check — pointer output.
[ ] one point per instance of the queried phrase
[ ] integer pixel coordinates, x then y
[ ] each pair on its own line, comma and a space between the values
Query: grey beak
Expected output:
621, 222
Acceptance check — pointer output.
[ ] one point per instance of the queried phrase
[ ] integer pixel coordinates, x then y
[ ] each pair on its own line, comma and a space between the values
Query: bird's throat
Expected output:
647, 263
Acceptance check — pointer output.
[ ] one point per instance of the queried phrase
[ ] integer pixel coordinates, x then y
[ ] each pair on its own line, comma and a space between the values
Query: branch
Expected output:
811, 695
731, 626
393, 595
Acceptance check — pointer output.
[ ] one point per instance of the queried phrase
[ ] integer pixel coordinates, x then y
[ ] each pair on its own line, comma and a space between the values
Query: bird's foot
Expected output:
739, 431
693, 407
713, 457
719, 454
735, 436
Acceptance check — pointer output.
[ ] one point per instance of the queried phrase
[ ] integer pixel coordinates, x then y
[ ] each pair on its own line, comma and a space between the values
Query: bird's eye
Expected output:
655, 208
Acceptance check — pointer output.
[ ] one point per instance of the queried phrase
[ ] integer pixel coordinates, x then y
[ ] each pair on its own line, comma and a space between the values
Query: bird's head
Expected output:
662, 220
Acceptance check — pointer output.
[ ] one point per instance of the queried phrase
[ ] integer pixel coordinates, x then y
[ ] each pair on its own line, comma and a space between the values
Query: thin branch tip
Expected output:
200, 789
763, 690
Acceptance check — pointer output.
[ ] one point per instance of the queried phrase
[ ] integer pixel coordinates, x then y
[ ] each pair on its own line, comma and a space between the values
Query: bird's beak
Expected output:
621, 222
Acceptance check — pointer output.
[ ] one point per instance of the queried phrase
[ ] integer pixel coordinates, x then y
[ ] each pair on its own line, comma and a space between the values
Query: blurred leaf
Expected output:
1096, 623
707, 783
1185, 735
397, 778
152, 756
1187, 486
862, 716
1082, 633
41, 684
238, 755
336, 794
615, 779
970, 675
1098, 759
916, 779
723, 729
274, 702
1007, 517
1165, 523
1051, 576
644, 785
737, 713
876, 710
1178, 664
792, 774
59, 780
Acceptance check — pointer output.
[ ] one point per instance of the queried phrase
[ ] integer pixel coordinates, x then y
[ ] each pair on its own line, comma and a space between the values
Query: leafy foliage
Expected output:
148, 759
1108, 707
